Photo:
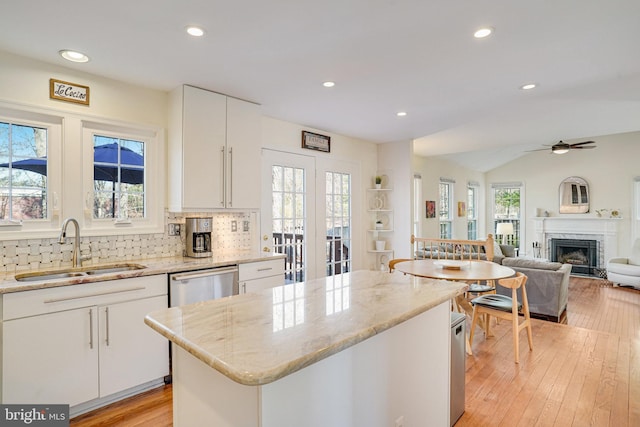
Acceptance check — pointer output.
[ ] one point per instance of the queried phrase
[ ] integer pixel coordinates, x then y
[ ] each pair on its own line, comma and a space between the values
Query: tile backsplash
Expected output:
28, 254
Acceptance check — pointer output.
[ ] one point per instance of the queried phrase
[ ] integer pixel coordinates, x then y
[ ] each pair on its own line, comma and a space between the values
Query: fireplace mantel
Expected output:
605, 230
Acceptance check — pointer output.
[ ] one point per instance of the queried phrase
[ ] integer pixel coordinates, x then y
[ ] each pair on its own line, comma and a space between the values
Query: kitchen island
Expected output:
364, 348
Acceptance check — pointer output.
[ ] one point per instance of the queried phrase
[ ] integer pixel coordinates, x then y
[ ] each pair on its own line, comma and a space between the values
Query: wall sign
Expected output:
69, 92
314, 141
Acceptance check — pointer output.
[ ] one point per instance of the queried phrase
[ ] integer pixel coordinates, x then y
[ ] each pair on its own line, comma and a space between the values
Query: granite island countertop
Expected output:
255, 339
153, 266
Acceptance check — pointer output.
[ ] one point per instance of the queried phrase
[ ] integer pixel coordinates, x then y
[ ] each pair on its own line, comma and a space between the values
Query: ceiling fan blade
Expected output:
578, 144
539, 149
581, 148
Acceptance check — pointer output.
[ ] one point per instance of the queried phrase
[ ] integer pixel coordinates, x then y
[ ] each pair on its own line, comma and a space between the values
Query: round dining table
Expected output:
468, 271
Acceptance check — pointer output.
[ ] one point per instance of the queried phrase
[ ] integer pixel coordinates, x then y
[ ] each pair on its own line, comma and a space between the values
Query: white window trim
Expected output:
38, 227
476, 200
451, 184
523, 214
154, 188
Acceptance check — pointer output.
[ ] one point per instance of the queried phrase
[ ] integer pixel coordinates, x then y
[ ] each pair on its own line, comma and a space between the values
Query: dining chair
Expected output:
393, 263
504, 307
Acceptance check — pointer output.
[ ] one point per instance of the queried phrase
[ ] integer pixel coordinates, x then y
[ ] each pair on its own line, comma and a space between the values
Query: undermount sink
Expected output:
77, 272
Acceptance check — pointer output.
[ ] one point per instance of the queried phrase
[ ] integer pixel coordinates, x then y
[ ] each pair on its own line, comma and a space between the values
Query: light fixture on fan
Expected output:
560, 148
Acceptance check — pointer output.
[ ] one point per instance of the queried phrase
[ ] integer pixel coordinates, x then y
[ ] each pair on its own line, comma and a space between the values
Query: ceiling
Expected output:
461, 94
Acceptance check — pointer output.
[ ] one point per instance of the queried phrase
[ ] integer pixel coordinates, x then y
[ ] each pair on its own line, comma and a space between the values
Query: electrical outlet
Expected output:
174, 229
400, 421
234, 226
245, 226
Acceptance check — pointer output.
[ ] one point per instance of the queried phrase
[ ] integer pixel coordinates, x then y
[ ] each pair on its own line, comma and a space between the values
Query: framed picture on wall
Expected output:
431, 208
462, 209
314, 141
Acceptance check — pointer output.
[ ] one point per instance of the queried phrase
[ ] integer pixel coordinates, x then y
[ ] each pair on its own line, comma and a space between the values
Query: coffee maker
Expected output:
198, 243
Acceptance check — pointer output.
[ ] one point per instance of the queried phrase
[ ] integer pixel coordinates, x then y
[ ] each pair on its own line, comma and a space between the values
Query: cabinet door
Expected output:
244, 130
131, 353
203, 148
257, 285
51, 358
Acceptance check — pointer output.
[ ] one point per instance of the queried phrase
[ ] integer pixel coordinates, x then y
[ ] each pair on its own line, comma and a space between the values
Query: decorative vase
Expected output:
378, 186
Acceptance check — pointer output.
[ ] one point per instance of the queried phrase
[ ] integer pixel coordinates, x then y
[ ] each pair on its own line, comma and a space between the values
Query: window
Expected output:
472, 211
122, 179
445, 214
417, 204
288, 219
23, 172
507, 208
118, 178
338, 223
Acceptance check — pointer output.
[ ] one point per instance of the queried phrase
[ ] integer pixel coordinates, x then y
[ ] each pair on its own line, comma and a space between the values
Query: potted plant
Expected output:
378, 182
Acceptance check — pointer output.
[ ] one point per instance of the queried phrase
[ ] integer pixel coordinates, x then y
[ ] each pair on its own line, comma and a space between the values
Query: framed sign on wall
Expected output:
314, 141
69, 92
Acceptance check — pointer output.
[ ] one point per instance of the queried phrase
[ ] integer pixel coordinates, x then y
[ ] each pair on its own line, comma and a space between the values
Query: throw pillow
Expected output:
496, 249
531, 263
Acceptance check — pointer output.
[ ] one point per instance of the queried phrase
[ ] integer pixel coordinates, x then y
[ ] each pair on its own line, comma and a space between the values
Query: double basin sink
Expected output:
77, 272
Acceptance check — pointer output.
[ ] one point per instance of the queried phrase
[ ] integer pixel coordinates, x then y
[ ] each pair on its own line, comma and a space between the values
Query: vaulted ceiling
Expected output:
461, 94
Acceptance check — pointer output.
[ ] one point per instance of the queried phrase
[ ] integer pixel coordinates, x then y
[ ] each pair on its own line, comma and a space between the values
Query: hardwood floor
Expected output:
584, 373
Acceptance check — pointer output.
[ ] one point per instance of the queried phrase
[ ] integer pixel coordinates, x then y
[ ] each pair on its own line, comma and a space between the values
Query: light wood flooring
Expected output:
584, 373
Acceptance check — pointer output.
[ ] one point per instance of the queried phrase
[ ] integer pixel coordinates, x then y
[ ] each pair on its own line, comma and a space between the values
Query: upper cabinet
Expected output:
214, 151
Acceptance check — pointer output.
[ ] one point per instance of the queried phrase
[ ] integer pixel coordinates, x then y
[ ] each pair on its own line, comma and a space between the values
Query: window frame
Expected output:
519, 230
154, 190
448, 221
35, 228
472, 211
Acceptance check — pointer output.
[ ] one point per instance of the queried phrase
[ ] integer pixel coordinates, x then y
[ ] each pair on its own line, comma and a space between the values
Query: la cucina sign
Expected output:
70, 92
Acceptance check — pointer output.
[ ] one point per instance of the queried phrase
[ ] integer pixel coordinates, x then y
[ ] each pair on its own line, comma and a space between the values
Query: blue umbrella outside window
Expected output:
105, 158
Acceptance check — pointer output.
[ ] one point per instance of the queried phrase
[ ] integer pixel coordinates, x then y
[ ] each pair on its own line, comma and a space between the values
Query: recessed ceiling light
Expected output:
401, 113
528, 86
72, 55
483, 32
328, 84
195, 31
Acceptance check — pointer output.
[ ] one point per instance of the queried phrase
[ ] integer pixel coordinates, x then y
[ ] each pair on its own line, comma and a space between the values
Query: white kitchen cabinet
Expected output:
51, 358
214, 151
73, 344
255, 276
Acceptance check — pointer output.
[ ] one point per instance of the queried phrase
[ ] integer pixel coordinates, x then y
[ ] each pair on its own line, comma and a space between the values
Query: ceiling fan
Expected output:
562, 147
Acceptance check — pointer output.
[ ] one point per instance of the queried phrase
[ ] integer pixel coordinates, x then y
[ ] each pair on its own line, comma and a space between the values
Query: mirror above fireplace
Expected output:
574, 195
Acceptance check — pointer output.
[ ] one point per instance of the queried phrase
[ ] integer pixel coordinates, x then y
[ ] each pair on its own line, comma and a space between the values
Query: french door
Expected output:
288, 218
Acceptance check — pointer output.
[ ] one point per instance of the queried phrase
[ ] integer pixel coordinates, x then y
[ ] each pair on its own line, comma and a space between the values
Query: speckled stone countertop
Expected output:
153, 266
256, 339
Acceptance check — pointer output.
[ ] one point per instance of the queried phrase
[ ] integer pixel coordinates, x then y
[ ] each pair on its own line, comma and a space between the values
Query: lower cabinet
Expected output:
74, 344
256, 276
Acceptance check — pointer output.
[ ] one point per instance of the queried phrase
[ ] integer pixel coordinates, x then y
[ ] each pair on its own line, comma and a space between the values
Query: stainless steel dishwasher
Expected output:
202, 285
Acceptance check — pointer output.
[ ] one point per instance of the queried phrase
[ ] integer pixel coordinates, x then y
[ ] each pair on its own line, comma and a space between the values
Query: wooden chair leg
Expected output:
473, 325
516, 335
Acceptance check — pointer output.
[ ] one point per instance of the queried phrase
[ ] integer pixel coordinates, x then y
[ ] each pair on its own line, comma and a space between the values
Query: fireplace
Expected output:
581, 254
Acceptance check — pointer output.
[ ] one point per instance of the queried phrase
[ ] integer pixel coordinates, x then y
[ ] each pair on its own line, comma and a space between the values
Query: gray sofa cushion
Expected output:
547, 289
531, 263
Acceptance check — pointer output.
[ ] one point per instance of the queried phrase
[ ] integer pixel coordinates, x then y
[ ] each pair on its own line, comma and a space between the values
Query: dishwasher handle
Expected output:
204, 273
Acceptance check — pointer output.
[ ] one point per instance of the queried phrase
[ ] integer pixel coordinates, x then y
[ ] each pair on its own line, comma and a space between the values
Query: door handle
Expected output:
266, 249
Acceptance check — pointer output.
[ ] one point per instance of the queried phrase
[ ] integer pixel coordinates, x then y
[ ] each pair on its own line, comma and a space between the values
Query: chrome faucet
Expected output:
77, 260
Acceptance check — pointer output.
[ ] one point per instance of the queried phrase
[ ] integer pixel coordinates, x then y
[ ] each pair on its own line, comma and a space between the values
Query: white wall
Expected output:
609, 169
432, 169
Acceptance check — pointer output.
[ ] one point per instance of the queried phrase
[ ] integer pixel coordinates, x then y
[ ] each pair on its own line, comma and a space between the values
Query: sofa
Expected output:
626, 271
547, 286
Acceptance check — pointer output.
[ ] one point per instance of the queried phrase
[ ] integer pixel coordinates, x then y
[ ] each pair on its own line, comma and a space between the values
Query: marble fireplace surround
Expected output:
603, 230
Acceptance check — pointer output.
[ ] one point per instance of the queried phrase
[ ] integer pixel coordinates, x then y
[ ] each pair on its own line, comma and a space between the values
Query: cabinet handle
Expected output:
244, 288
106, 316
91, 328
265, 269
97, 294
230, 176
223, 169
